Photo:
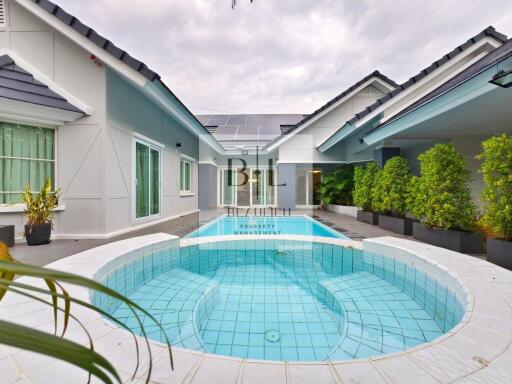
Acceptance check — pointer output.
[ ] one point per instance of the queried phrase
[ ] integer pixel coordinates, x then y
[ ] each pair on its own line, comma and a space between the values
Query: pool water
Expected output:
296, 301
253, 225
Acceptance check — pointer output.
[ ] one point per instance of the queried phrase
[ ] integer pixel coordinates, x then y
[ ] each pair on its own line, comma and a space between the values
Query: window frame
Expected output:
151, 145
55, 184
190, 191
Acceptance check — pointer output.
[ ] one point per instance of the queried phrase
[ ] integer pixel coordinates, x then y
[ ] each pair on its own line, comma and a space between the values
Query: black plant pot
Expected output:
38, 234
401, 225
368, 217
458, 241
499, 252
7, 234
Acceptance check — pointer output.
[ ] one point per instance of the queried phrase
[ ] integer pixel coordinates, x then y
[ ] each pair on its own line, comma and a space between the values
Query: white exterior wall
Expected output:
129, 113
94, 153
79, 145
301, 148
469, 147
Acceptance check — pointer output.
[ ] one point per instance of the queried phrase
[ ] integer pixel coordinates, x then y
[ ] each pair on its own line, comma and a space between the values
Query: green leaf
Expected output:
29, 339
45, 273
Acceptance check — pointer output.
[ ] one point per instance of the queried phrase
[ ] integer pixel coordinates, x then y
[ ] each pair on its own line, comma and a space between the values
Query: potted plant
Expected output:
39, 212
364, 179
497, 196
390, 196
337, 186
442, 202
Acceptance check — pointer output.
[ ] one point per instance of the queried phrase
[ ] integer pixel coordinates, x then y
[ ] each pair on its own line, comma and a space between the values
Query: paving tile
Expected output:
215, 370
257, 373
402, 370
359, 372
309, 373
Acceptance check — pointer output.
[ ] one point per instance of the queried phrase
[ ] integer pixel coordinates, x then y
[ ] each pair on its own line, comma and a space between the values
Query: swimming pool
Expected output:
285, 299
252, 225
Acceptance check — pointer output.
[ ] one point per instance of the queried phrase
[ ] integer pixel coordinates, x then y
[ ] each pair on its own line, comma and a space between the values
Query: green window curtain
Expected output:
141, 180
27, 157
188, 176
182, 175
147, 180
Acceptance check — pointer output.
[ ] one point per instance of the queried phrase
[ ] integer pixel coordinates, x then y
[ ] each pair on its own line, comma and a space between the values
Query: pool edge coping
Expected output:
475, 275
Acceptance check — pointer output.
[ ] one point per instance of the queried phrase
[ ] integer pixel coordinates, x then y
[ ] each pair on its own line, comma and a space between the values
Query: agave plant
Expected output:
55, 345
40, 207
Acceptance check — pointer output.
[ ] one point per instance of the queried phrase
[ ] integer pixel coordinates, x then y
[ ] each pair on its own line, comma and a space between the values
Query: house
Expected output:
375, 119
106, 129
127, 153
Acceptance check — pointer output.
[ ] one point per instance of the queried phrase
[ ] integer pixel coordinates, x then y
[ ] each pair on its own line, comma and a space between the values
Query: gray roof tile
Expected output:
109, 47
489, 31
487, 61
335, 99
96, 38
18, 84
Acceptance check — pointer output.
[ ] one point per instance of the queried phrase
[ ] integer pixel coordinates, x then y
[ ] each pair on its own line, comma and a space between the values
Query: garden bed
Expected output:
459, 241
368, 217
400, 225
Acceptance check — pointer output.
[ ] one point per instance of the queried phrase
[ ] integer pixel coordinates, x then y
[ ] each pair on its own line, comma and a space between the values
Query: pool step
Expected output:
179, 300
378, 316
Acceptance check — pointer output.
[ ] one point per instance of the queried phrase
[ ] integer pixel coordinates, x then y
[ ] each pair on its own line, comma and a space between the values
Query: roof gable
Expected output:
19, 85
153, 86
489, 32
308, 118
494, 57
97, 39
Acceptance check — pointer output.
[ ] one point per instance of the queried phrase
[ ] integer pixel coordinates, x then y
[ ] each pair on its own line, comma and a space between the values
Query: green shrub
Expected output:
364, 178
337, 186
442, 194
391, 188
497, 173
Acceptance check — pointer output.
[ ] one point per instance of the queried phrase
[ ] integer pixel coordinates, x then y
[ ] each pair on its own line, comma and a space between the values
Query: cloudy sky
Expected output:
284, 56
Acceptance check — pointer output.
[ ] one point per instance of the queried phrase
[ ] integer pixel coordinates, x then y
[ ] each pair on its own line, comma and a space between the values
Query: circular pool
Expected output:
285, 299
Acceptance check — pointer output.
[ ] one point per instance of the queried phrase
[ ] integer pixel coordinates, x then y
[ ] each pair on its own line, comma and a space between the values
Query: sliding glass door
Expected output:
306, 184
245, 191
147, 180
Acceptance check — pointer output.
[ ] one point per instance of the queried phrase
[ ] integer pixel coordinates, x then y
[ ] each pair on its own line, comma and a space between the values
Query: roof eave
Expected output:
363, 83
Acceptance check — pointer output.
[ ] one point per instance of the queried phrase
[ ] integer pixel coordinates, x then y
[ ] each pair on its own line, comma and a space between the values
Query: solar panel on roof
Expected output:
218, 120
227, 130
237, 119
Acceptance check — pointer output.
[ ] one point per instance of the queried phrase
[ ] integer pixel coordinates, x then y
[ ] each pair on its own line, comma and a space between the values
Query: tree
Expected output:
442, 193
364, 178
391, 188
497, 173
337, 186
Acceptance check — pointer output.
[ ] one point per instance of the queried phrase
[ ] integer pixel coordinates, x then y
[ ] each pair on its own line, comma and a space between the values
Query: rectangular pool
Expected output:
251, 225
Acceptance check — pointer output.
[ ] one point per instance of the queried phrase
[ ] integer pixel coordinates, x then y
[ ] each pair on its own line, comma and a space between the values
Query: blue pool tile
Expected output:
255, 352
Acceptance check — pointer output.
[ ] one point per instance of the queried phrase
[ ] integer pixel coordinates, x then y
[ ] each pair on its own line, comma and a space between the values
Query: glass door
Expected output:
147, 180
257, 187
228, 195
307, 183
243, 190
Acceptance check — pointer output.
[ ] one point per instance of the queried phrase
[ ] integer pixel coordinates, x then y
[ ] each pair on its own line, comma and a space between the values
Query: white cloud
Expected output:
281, 56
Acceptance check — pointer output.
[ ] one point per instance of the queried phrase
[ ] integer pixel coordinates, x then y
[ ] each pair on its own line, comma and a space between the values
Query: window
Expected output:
27, 157
185, 176
147, 180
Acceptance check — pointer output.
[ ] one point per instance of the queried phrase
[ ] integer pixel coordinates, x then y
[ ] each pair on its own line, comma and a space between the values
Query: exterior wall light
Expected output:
178, 145
502, 79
